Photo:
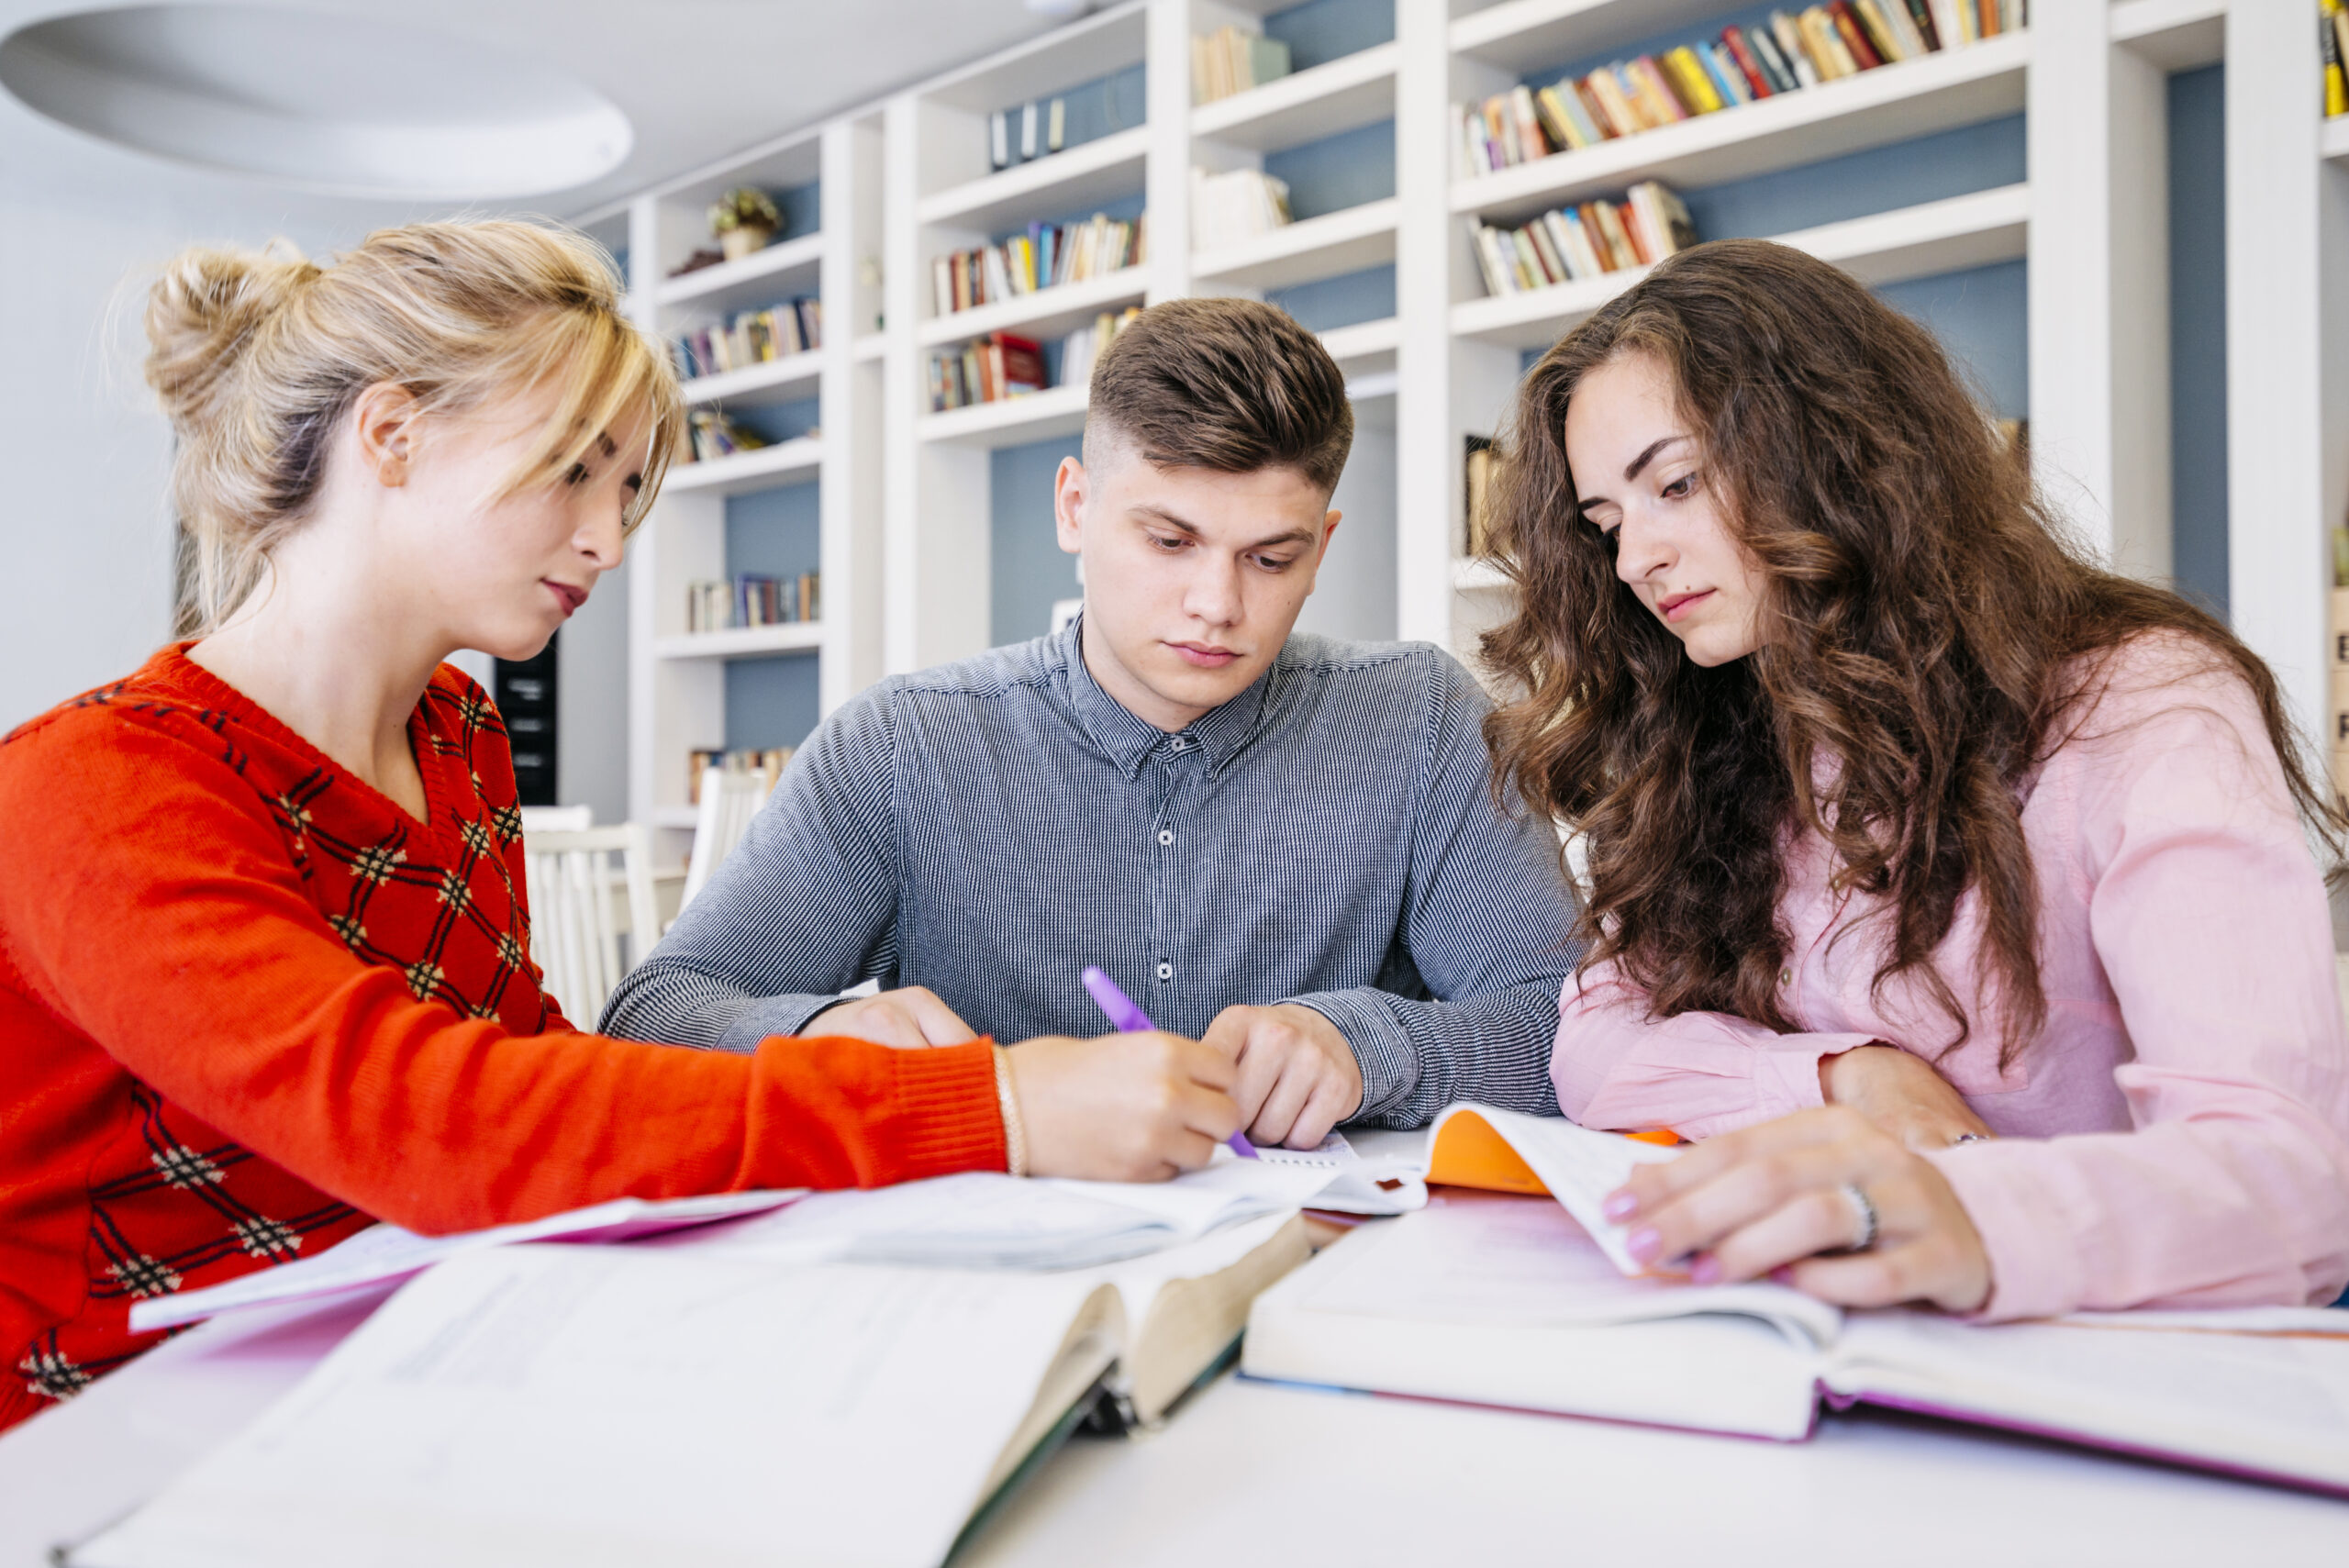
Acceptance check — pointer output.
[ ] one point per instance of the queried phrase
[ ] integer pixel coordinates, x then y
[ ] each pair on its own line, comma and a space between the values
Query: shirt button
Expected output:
1165, 972
1166, 835
1180, 744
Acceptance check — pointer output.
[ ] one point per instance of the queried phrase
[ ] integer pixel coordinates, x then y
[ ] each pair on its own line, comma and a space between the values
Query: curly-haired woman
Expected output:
1953, 892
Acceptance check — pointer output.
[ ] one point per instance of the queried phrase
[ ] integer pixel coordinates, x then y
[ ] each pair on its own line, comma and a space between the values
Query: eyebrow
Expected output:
1160, 515
1631, 469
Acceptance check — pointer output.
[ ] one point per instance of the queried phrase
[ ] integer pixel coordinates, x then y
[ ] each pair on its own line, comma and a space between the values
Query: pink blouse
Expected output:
2179, 1133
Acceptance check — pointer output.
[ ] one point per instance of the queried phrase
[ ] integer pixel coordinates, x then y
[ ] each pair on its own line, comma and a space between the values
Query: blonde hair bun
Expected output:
256, 356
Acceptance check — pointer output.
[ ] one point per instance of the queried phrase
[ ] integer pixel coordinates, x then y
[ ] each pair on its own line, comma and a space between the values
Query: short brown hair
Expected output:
1230, 384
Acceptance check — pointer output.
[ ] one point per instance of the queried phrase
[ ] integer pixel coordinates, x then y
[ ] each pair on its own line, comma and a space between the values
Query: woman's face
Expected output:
1640, 476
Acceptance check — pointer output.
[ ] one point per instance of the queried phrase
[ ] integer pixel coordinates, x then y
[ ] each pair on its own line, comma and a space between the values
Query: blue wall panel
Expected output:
1029, 571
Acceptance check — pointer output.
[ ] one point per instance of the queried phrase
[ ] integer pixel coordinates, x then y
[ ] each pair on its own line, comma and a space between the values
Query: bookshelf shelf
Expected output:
1910, 242
1475, 574
1521, 36
1097, 171
2177, 34
756, 279
1894, 103
2332, 140
741, 642
1371, 386
783, 464
1321, 247
1010, 421
1109, 40
1046, 312
869, 347
776, 381
1366, 348
684, 817
1343, 94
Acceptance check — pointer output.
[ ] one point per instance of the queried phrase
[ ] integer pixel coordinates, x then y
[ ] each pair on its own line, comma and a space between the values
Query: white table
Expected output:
1252, 1473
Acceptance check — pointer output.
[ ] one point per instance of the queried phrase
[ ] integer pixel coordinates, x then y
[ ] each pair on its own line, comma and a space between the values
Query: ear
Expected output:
384, 422
1069, 486
1329, 528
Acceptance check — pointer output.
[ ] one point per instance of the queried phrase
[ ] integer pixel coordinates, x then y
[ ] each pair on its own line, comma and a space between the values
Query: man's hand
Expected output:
1900, 1093
911, 1018
1297, 1077
1125, 1107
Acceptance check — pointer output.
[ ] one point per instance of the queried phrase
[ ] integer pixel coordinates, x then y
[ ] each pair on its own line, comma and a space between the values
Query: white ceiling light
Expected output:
341, 103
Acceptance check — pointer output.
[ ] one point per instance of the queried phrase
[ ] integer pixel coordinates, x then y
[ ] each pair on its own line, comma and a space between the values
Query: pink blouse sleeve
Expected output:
2207, 913
1696, 1073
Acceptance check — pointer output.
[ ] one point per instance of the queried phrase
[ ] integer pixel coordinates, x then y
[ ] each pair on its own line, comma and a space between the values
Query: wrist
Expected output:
1015, 1129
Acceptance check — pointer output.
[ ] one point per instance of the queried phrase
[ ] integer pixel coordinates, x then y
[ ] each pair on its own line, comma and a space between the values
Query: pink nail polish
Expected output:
1706, 1270
1644, 1243
1619, 1206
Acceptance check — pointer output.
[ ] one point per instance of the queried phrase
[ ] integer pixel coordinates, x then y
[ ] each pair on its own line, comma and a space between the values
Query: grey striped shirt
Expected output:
988, 828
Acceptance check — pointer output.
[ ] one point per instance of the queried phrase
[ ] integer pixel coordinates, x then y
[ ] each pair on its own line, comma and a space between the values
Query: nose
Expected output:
1213, 593
1643, 549
601, 539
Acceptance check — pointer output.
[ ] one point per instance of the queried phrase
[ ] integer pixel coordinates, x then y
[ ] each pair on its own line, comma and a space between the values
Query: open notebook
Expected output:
575, 1407
1512, 1302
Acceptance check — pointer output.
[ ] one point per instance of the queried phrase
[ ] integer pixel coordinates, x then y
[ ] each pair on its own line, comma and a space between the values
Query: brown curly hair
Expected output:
1924, 621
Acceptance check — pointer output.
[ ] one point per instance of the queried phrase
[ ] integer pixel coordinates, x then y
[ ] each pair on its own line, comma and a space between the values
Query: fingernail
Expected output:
1646, 1243
1619, 1206
1706, 1270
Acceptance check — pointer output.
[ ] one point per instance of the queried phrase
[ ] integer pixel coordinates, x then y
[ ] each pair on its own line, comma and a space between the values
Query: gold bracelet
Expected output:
1015, 1136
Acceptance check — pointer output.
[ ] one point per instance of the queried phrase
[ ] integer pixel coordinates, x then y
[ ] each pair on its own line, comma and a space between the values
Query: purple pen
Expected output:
1127, 1018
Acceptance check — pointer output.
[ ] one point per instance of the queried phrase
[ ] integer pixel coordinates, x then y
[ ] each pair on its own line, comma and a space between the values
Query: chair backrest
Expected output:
729, 798
557, 819
588, 888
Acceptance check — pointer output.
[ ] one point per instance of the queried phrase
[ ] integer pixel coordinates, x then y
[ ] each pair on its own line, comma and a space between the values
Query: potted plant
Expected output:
744, 219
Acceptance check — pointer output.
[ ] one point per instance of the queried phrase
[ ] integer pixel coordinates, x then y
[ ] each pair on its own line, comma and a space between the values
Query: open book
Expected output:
567, 1406
1508, 1301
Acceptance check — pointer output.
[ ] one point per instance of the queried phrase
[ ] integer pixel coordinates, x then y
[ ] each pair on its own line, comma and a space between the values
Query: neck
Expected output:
334, 655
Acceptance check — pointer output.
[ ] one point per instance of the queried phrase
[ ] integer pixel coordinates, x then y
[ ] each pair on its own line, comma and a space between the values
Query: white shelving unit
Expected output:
905, 491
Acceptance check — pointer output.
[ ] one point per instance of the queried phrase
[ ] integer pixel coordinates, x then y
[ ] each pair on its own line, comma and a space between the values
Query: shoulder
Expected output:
143, 707
1011, 671
2165, 679
1418, 667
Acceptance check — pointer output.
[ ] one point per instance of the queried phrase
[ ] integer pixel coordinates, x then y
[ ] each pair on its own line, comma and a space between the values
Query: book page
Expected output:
1579, 1166
384, 1252
2273, 1404
1475, 1259
1356, 1185
574, 1407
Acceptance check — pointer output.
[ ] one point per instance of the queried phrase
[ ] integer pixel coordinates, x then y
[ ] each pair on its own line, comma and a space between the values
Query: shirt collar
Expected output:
1219, 733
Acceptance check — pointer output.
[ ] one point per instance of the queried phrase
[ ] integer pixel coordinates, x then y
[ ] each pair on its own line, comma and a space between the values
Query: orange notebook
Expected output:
1466, 1151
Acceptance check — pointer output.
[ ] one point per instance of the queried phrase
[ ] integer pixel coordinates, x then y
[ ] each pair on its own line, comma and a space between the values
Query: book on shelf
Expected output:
1046, 256
1790, 52
750, 599
715, 436
2333, 36
1042, 126
1477, 468
767, 762
1234, 206
1083, 348
1588, 239
1228, 61
751, 337
771, 1395
1530, 1302
986, 369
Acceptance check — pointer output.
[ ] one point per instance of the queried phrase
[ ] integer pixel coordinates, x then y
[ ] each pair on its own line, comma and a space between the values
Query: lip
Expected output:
1204, 655
569, 598
1679, 605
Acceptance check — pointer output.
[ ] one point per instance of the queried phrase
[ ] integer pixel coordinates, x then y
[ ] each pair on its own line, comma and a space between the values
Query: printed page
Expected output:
2274, 1403
984, 1219
579, 1407
1356, 1186
1580, 1168
385, 1252
1479, 1259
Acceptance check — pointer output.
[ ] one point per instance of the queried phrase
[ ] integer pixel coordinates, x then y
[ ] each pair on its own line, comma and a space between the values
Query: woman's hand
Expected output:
1901, 1094
1771, 1197
1125, 1107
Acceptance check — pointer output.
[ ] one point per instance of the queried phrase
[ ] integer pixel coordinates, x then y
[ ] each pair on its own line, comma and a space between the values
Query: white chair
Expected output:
729, 798
557, 819
575, 877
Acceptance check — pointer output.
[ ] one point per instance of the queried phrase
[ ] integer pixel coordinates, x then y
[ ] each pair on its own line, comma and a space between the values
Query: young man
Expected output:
1287, 846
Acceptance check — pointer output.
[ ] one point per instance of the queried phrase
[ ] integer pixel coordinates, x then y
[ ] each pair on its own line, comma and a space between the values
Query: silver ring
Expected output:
1865, 1213
1970, 1138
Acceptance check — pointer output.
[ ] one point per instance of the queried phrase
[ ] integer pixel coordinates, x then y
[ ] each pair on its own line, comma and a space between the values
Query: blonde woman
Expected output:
264, 968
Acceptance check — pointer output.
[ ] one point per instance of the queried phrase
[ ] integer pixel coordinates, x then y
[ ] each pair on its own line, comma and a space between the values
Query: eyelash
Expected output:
1169, 546
577, 474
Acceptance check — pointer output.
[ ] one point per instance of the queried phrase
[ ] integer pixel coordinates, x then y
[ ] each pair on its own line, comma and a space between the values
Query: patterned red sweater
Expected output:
247, 1003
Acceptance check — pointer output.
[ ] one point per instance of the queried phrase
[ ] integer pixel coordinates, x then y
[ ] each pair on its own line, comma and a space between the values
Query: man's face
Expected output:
1192, 577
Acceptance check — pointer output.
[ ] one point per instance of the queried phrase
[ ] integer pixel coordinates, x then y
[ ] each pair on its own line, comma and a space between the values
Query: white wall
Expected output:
1354, 594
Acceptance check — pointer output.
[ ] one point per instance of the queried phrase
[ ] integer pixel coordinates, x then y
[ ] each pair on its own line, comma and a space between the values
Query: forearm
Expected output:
671, 1000
1418, 1057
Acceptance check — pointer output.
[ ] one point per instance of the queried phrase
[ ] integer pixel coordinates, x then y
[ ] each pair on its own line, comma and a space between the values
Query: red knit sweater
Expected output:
247, 1003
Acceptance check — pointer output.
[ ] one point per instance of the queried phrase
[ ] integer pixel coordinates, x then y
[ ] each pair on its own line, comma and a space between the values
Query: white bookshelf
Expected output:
905, 491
